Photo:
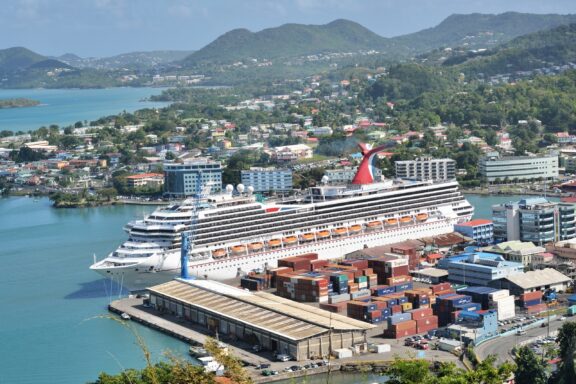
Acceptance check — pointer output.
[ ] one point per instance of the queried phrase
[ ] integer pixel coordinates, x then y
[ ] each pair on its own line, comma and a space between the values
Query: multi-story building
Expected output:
480, 230
493, 167
426, 169
536, 219
266, 180
479, 268
145, 180
181, 179
290, 153
519, 251
345, 175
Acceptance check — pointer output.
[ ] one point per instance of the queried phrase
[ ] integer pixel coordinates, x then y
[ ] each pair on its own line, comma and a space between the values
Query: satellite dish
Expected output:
240, 188
250, 189
325, 179
229, 188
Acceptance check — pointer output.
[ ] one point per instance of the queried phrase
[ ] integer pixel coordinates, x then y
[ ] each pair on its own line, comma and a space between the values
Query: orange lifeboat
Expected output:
238, 249
392, 221
422, 217
219, 253
406, 219
255, 246
340, 231
323, 234
289, 240
355, 228
274, 243
374, 225
308, 236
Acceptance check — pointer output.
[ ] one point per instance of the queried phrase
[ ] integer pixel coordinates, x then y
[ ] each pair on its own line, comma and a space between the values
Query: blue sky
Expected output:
109, 27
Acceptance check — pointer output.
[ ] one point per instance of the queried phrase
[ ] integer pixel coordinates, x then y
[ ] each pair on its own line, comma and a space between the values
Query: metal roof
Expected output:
433, 272
264, 311
539, 278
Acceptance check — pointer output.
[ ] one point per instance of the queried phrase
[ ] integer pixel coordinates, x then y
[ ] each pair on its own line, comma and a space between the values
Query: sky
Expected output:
99, 28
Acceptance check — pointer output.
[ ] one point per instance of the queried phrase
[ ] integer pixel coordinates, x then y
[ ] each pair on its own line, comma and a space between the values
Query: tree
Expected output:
529, 368
233, 366
566, 374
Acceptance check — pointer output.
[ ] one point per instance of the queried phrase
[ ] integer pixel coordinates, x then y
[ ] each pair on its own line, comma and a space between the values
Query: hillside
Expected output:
289, 40
18, 58
480, 30
535, 52
131, 60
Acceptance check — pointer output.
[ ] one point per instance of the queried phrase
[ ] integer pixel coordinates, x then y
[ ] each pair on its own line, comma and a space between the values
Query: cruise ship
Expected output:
234, 233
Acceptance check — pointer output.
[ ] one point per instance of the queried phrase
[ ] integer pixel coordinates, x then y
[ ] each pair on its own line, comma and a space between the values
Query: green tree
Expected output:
529, 368
566, 373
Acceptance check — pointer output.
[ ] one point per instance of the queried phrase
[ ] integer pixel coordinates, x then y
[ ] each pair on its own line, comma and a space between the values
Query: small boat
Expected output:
219, 253
125, 316
273, 243
340, 231
308, 236
405, 219
238, 249
256, 246
198, 352
323, 234
355, 228
374, 225
422, 217
392, 221
290, 240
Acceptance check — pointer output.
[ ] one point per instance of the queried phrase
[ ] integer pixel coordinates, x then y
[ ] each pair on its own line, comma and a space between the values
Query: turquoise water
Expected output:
49, 301
67, 106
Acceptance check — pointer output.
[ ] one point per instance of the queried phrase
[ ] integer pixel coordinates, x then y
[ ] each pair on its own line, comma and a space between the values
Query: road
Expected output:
502, 346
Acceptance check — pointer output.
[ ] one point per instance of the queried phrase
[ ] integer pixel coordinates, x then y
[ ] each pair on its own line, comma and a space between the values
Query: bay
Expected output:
67, 106
50, 329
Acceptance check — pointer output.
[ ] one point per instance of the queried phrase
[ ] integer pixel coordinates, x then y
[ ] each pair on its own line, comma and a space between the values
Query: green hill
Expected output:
480, 30
17, 58
537, 51
289, 40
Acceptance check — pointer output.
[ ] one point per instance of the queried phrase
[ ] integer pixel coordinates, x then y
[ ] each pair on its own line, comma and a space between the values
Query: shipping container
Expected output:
399, 318
421, 313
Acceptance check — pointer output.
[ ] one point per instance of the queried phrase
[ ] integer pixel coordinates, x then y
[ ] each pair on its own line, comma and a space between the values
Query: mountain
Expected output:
534, 52
480, 30
18, 58
131, 60
289, 40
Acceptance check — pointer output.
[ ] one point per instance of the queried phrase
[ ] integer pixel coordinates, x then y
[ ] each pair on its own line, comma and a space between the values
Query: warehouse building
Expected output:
539, 280
479, 268
276, 324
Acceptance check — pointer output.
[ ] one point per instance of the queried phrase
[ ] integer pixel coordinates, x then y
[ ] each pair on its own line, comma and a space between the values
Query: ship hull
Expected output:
159, 269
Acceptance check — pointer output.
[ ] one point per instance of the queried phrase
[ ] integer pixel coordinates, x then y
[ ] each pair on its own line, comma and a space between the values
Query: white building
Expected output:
266, 180
494, 167
426, 169
181, 179
289, 153
345, 175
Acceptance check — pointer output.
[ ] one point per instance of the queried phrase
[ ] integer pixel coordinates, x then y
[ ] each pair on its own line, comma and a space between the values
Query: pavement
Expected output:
502, 346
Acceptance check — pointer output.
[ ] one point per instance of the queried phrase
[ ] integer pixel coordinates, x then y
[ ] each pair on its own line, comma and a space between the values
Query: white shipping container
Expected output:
506, 308
342, 353
396, 263
382, 348
338, 298
497, 295
322, 299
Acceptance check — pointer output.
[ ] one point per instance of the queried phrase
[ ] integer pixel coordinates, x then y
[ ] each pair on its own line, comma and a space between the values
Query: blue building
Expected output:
181, 179
478, 268
480, 230
266, 180
473, 327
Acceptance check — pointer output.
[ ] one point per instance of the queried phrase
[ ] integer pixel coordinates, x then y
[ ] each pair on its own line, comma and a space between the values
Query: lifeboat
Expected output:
308, 236
422, 217
406, 219
255, 246
392, 221
238, 249
374, 225
219, 253
355, 228
323, 234
289, 240
274, 243
340, 231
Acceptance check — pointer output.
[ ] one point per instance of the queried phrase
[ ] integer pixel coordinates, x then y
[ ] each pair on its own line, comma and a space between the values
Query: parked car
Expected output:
262, 366
282, 357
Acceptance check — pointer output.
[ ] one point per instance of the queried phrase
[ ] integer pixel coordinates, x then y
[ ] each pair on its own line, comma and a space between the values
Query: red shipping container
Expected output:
381, 304
318, 264
528, 296
431, 320
426, 328
421, 313
335, 308
396, 309
360, 263
368, 271
408, 324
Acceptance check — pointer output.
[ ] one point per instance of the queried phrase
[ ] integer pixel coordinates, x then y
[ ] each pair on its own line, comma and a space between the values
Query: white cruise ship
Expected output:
236, 234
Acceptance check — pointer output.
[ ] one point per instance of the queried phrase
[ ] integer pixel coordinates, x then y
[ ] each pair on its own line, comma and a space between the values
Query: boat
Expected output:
125, 316
219, 253
355, 228
405, 219
340, 231
422, 216
255, 246
308, 236
151, 253
197, 352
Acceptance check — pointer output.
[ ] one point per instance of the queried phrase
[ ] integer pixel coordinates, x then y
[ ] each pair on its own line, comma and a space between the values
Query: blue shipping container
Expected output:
469, 307
530, 303
399, 318
403, 287
402, 300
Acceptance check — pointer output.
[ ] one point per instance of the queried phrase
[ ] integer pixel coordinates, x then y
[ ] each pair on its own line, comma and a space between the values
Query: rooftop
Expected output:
474, 223
432, 272
261, 310
535, 279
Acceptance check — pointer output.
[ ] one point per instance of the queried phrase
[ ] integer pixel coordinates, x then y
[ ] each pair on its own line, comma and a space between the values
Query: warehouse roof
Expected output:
432, 272
539, 278
516, 246
265, 311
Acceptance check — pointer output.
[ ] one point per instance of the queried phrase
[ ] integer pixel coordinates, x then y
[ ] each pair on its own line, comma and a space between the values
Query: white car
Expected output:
282, 357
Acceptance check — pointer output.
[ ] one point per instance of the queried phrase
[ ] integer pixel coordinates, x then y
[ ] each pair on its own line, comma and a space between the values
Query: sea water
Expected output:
67, 106
51, 304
